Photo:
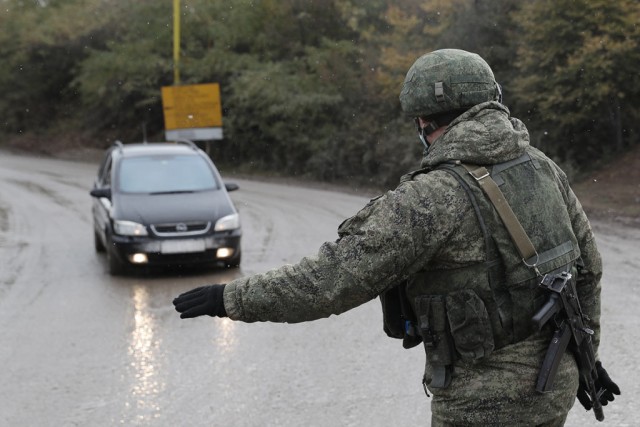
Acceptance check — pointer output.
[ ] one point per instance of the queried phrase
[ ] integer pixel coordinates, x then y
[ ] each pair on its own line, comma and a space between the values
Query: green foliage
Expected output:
38, 53
311, 87
579, 69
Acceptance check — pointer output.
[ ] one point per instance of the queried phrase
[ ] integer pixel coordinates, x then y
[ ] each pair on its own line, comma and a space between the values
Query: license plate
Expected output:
181, 246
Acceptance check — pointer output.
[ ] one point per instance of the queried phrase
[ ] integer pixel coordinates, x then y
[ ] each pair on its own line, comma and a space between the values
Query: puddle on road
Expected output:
225, 341
143, 349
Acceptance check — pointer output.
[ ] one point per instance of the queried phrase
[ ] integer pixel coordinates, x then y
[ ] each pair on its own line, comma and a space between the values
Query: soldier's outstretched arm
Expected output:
389, 239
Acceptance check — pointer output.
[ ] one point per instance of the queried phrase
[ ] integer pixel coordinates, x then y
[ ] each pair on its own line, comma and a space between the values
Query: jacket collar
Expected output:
484, 135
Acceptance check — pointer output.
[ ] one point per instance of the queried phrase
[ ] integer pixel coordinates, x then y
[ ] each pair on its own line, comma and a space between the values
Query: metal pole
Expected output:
176, 42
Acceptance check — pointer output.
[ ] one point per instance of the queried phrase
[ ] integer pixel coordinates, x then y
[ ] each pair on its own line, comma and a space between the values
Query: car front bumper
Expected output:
177, 251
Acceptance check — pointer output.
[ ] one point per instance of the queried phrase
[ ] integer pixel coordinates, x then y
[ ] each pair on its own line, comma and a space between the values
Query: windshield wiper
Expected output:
171, 192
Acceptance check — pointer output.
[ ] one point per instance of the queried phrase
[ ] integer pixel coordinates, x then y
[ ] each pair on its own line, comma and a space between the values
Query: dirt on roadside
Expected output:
612, 193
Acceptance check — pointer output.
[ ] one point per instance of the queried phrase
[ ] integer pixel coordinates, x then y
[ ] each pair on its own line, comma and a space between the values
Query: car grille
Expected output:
181, 229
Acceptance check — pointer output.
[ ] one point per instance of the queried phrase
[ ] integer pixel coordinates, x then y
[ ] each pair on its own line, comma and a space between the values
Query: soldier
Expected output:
471, 294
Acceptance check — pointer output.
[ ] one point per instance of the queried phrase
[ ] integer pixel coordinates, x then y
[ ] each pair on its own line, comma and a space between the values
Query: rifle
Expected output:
563, 306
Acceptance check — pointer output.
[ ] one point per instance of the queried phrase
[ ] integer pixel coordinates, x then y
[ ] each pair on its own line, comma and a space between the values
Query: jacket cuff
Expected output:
231, 305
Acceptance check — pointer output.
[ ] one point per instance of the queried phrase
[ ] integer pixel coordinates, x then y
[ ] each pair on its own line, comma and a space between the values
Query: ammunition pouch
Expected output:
431, 312
398, 317
455, 326
470, 325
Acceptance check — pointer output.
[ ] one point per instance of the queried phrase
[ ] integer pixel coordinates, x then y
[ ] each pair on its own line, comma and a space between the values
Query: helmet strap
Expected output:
423, 138
423, 132
499, 88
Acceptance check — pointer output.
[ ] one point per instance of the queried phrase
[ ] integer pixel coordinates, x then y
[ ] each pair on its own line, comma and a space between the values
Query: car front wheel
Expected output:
235, 261
116, 267
97, 243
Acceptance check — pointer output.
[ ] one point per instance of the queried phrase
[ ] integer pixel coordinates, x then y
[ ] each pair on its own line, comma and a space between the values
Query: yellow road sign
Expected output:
192, 106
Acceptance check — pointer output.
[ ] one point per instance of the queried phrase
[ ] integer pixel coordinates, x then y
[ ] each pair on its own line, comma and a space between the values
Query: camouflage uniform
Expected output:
426, 224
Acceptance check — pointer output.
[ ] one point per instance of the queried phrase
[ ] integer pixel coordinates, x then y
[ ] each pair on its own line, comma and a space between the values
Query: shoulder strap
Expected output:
474, 203
520, 238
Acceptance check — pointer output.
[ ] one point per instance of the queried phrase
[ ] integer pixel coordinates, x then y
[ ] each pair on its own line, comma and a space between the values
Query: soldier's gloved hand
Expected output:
602, 383
200, 301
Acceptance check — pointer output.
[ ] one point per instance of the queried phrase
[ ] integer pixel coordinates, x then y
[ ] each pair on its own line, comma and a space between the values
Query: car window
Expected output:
104, 175
103, 164
166, 173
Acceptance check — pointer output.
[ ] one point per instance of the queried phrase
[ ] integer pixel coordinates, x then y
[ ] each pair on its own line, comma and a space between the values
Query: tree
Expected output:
312, 87
39, 45
119, 80
285, 71
578, 62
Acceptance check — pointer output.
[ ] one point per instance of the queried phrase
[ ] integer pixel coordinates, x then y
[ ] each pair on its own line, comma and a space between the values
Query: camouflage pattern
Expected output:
428, 223
466, 79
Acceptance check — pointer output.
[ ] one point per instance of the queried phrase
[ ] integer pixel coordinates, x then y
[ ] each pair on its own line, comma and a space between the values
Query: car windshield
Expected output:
165, 174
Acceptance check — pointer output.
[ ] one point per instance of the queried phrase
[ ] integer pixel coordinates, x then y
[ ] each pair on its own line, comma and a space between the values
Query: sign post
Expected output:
176, 42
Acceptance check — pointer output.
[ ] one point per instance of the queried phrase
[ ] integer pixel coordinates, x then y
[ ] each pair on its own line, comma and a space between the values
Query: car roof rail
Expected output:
187, 142
118, 144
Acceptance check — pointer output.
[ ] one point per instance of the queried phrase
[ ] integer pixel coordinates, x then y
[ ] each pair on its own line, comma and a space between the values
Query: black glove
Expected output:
200, 301
602, 383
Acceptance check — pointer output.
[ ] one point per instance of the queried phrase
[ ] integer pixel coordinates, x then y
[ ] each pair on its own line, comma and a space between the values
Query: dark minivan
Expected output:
163, 204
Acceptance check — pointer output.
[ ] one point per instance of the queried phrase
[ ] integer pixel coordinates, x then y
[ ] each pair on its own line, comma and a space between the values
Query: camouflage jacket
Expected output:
420, 225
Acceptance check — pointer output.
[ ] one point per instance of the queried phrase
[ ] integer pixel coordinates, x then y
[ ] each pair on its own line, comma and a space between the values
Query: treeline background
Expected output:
310, 88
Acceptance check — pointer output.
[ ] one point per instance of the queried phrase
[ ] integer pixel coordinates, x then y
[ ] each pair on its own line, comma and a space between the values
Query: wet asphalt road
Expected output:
81, 348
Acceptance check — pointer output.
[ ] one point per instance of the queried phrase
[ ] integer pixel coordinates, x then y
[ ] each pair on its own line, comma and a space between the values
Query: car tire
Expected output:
97, 243
116, 267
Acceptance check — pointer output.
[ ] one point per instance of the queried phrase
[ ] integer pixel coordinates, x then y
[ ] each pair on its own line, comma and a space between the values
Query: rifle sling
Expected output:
517, 233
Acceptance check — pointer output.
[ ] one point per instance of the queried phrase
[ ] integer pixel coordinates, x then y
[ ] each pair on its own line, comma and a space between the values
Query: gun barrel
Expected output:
597, 410
595, 400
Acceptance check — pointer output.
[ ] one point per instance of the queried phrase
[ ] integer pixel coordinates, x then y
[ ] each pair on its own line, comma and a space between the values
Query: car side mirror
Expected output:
231, 186
101, 192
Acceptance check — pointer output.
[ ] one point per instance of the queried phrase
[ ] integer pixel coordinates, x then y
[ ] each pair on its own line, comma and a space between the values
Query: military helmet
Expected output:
447, 80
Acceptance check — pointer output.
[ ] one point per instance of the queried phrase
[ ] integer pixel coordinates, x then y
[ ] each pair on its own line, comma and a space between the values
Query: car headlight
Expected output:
129, 228
229, 222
